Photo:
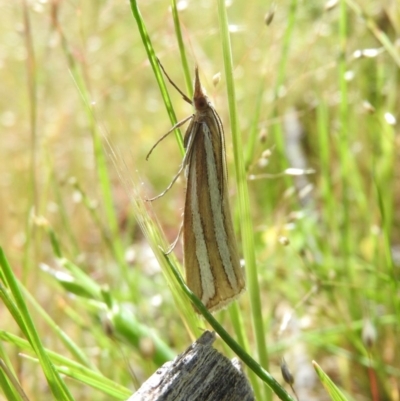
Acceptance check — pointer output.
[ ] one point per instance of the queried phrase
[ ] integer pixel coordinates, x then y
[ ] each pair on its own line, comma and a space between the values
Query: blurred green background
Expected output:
317, 88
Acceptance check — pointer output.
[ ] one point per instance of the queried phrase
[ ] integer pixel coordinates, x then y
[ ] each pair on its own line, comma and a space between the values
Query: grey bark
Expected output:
200, 373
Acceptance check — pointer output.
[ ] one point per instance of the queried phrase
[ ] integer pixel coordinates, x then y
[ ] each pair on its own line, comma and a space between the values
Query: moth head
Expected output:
200, 99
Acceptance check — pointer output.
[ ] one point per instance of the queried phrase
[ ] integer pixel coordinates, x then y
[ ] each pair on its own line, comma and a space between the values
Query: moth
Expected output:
211, 258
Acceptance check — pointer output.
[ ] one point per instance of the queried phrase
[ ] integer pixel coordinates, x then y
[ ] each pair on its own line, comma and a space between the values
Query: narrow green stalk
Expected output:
331, 388
262, 373
126, 326
71, 368
156, 69
385, 207
31, 71
9, 383
344, 127
157, 241
178, 33
281, 75
23, 317
66, 340
96, 215
326, 182
251, 142
66, 221
247, 230
239, 329
101, 165
380, 35
285, 48
237, 322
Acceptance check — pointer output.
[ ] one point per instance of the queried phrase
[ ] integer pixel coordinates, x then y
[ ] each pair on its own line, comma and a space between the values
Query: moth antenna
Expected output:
185, 98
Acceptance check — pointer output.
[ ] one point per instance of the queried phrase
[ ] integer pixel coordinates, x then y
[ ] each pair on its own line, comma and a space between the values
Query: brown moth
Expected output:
211, 258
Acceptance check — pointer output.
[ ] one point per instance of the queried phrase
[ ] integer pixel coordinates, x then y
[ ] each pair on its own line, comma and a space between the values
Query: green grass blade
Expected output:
72, 347
233, 345
334, 392
151, 54
72, 368
185, 65
247, 230
115, 243
379, 33
9, 384
57, 385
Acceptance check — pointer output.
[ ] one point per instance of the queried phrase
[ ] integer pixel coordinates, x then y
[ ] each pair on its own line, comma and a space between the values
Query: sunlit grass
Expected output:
80, 108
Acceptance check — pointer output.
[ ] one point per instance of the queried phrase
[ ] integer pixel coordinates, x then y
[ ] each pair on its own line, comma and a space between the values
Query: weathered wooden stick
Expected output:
200, 373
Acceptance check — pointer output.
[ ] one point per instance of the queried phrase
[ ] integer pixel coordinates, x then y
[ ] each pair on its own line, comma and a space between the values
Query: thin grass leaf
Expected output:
151, 54
233, 345
243, 195
72, 347
330, 387
184, 62
115, 243
71, 368
158, 243
57, 385
379, 34
10, 385
125, 325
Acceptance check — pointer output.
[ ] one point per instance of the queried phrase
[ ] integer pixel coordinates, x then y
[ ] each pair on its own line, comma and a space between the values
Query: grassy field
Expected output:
309, 96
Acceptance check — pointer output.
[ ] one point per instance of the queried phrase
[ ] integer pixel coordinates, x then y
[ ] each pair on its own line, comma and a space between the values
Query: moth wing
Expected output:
211, 258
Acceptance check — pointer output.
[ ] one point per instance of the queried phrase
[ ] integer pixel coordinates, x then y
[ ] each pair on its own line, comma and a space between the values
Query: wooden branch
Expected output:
200, 373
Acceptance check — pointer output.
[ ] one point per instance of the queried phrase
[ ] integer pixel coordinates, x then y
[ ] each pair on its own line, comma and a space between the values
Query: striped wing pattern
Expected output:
211, 259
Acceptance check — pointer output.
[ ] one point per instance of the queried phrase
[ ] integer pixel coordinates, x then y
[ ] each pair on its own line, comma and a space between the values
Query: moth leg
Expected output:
185, 162
177, 125
173, 245
169, 186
